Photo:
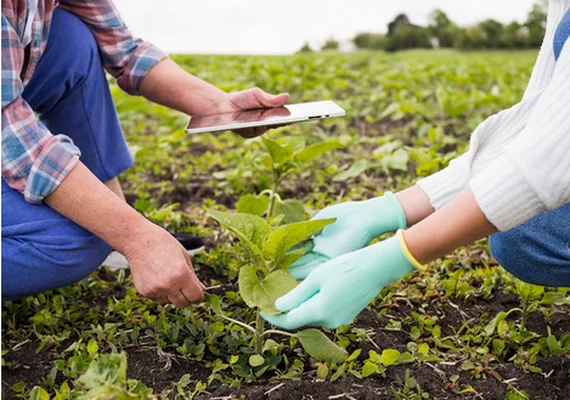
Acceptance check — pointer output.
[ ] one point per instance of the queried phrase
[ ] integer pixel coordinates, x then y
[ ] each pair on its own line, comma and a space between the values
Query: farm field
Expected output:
464, 330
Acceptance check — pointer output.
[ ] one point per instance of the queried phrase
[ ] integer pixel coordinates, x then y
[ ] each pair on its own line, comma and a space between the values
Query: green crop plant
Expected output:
270, 252
265, 278
283, 157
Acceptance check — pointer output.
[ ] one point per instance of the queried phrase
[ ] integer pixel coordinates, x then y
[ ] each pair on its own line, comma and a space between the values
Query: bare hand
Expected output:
162, 270
251, 99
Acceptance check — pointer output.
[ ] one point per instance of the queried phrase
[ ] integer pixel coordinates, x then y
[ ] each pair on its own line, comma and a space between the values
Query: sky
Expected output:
282, 27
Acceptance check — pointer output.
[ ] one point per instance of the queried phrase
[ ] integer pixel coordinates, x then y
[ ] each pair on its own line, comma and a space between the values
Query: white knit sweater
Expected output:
518, 163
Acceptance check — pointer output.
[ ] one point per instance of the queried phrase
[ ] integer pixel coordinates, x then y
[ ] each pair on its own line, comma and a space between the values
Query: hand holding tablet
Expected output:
264, 117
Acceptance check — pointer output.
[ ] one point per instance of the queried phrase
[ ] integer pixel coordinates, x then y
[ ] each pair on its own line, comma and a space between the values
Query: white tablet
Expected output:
265, 117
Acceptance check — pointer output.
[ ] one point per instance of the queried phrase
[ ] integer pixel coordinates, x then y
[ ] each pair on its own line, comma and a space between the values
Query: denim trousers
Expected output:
41, 249
538, 250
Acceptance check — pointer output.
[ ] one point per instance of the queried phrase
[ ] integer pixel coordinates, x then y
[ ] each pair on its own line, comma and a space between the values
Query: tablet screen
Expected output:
261, 114
264, 116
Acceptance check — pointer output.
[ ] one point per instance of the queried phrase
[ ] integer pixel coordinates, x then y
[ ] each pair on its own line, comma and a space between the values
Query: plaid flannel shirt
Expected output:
35, 161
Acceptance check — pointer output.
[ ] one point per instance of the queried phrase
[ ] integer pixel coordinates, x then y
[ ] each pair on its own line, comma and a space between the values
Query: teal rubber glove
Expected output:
358, 222
337, 291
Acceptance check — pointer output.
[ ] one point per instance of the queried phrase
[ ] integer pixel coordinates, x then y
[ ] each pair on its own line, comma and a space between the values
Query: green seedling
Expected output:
265, 278
377, 363
106, 378
283, 157
533, 298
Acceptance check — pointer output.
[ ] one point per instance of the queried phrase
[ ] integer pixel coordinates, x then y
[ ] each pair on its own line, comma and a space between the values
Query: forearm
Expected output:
168, 84
458, 223
415, 203
85, 200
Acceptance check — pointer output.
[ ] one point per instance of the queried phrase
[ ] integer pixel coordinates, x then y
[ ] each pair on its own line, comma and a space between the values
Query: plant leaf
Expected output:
355, 169
322, 371
339, 372
252, 204
284, 238
390, 356
318, 346
247, 281
296, 142
92, 347
292, 210
215, 303
368, 369
38, 393
555, 298
529, 292
104, 375
270, 345
405, 357
275, 285
500, 317
251, 230
279, 153
291, 257
397, 160
255, 360
315, 150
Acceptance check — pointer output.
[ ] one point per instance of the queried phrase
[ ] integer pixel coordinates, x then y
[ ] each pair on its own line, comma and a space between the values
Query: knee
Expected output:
31, 266
510, 255
529, 257
81, 255
80, 50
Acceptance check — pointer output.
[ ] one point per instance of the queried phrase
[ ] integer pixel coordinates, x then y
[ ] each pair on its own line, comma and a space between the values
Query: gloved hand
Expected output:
336, 291
358, 222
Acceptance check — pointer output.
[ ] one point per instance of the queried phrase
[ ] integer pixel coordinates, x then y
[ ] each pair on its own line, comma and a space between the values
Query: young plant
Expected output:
265, 278
106, 378
283, 157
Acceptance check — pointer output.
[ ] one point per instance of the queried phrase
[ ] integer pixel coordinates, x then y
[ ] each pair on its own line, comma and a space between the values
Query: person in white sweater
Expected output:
513, 185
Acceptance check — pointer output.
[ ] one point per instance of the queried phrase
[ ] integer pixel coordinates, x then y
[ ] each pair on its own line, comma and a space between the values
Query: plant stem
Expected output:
273, 194
235, 321
523, 317
259, 325
270, 331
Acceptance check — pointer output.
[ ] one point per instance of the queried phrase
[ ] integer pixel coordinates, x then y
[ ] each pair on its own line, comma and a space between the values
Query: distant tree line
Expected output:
442, 32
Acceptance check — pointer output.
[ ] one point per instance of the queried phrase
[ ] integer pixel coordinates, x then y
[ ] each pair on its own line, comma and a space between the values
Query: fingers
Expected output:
271, 100
303, 292
249, 133
305, 314
301, 268
178, 299
275, 112
186, 288
192, 289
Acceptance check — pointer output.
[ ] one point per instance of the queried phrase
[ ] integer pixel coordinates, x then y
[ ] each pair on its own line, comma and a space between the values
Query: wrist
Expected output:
407, 253
133, 235
168, 84
216, 101
384, 214
388, 260
415, 203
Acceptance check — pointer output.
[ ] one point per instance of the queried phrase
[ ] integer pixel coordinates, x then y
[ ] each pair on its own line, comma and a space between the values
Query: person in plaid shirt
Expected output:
62, 148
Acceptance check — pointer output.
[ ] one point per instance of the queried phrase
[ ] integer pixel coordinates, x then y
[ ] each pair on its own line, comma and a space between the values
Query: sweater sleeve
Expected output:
485, 143
532, 173
489, 139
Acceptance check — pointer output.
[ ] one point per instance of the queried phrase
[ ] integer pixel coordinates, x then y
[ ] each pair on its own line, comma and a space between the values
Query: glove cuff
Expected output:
407, 253
386, 214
